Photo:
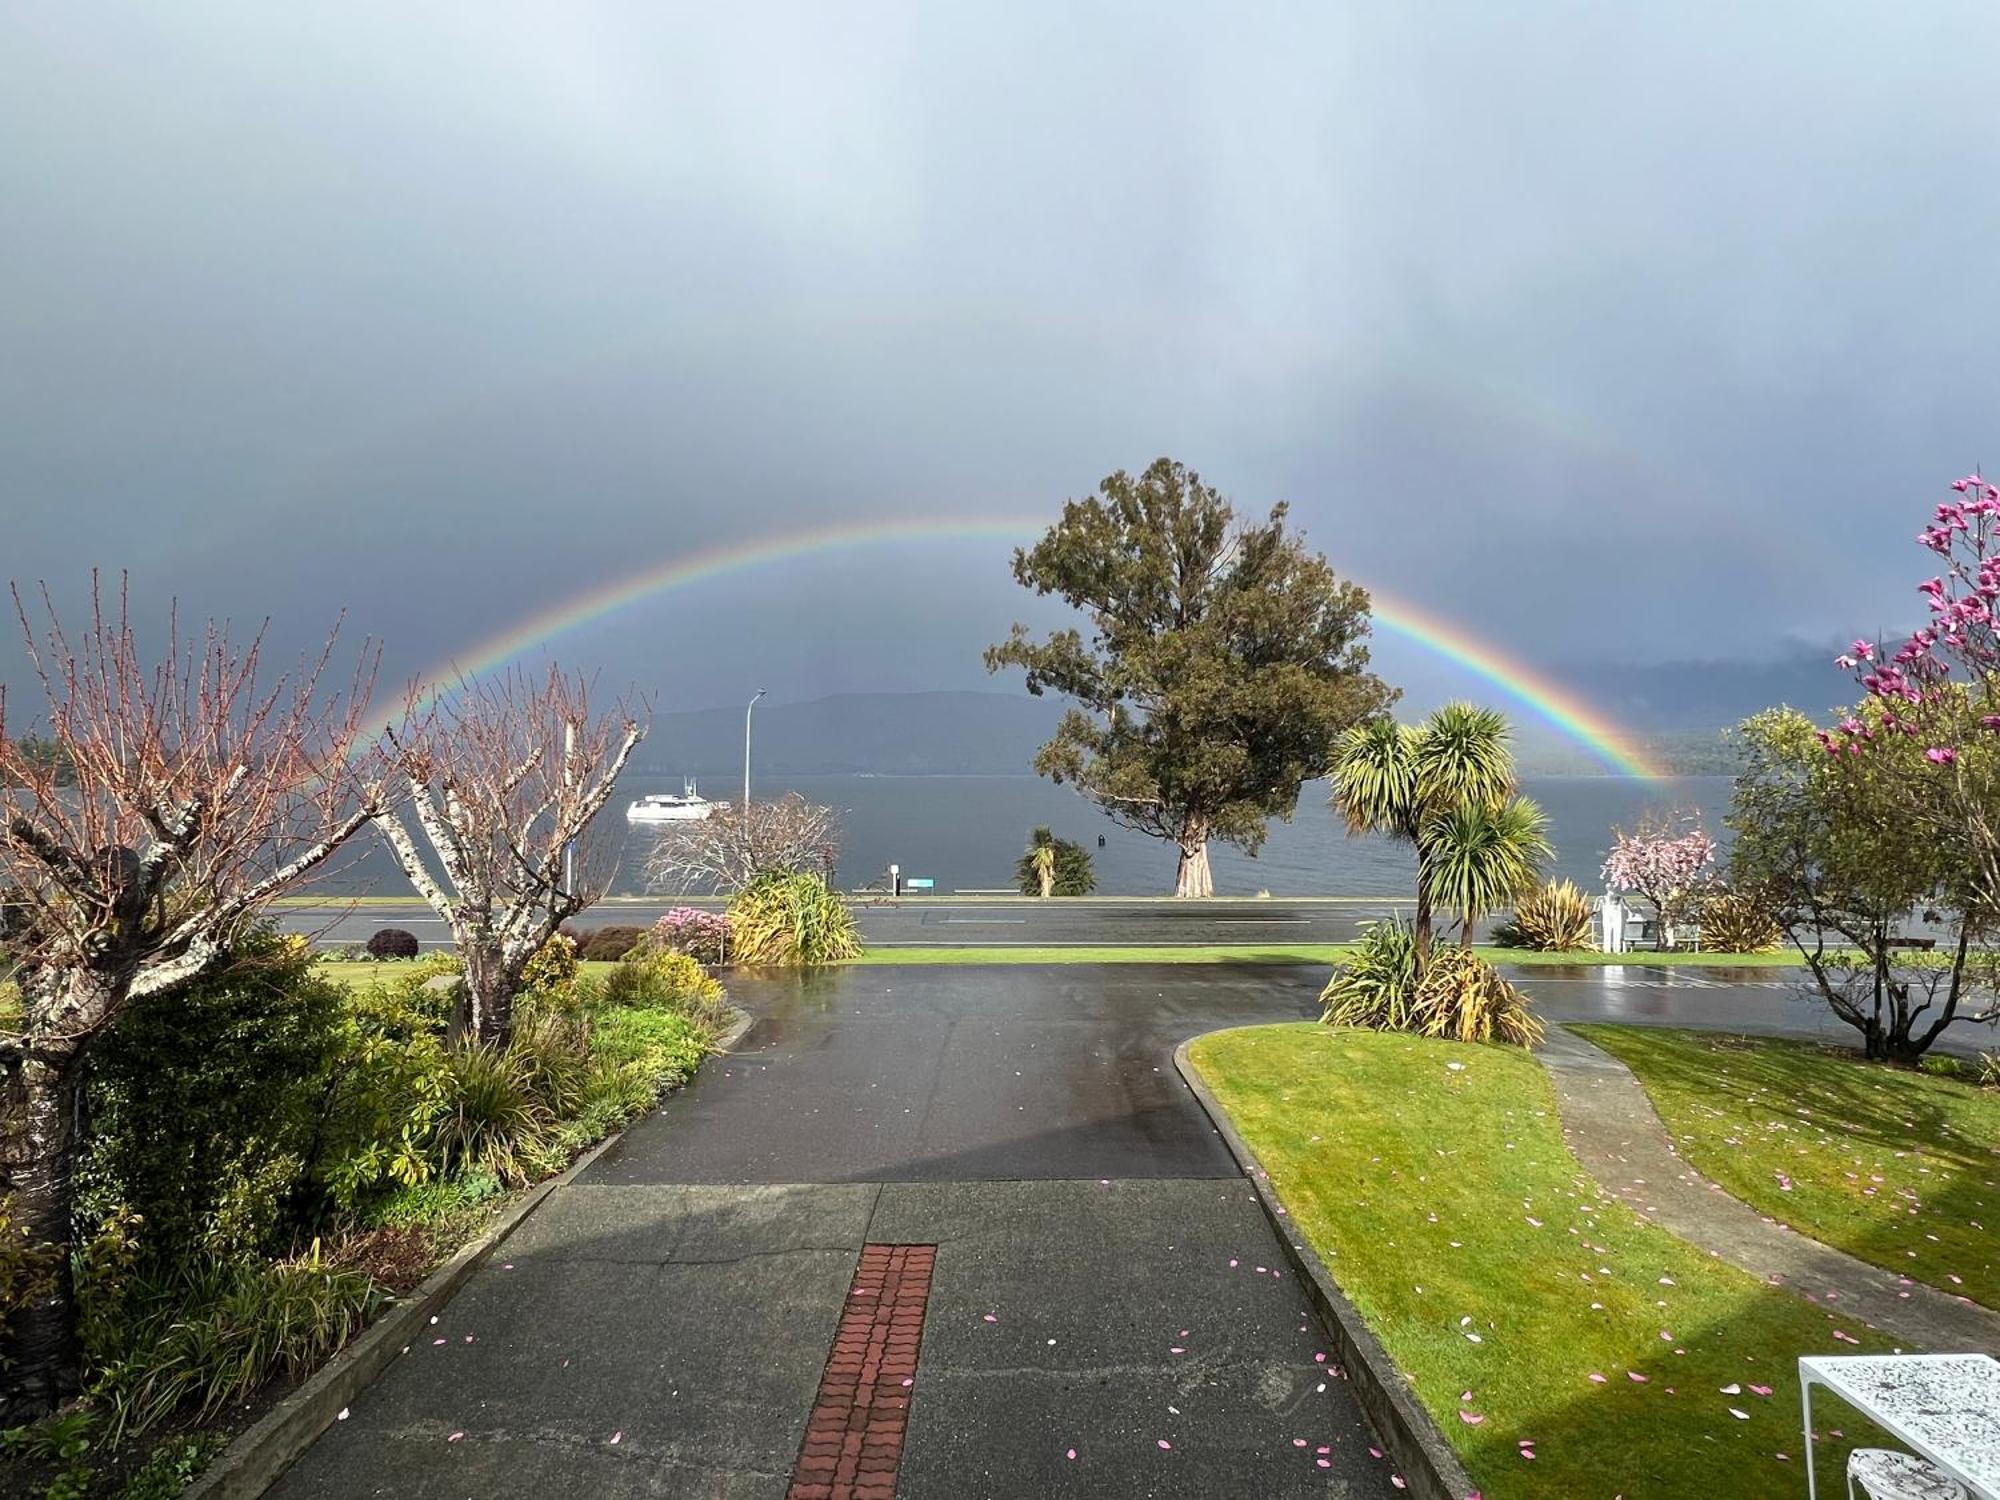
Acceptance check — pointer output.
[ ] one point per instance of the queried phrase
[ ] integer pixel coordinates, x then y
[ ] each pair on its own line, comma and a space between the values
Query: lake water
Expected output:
965, 833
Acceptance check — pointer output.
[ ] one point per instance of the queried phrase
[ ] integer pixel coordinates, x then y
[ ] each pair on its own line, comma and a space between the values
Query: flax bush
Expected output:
1735, 921
1458, 995
791, 921
1556, 917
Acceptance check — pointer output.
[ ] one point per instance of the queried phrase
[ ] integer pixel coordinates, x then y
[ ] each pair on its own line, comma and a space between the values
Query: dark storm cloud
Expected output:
1634, 330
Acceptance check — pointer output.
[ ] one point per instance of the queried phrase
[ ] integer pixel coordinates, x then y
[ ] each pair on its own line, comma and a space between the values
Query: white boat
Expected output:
664, 807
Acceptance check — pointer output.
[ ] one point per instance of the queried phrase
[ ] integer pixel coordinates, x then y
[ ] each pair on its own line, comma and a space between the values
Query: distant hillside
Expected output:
1709, 695
994, 734
888, 734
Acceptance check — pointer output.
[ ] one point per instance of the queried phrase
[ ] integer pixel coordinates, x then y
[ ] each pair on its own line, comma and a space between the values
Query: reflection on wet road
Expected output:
1052, 1071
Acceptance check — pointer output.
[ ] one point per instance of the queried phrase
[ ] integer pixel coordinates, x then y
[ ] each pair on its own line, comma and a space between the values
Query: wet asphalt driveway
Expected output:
1104, 1284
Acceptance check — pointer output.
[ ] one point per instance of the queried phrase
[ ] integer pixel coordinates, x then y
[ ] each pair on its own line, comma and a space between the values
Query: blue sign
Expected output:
917, 883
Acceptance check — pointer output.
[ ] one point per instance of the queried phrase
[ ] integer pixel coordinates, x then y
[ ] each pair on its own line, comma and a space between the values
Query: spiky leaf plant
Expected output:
1374, 988
1555, 917
791, 920
1735, 921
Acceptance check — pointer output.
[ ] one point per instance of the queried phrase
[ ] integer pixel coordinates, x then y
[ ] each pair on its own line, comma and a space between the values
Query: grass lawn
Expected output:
1525, 1304
1899, 1168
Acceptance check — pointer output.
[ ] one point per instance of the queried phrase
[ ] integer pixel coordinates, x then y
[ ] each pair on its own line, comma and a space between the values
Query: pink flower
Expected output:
1941, 755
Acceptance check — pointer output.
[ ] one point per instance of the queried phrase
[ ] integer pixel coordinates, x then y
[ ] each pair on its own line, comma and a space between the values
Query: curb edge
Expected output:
1412, 1440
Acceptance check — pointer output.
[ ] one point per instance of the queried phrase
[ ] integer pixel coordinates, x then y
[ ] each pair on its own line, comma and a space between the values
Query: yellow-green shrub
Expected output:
1556, 917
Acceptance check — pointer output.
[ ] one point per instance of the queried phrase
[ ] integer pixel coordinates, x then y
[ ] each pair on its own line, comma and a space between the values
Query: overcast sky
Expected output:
1641, 331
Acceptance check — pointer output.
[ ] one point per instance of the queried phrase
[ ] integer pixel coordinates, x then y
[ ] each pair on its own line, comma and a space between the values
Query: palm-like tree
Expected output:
1401, 781
1045, 868
1480, 856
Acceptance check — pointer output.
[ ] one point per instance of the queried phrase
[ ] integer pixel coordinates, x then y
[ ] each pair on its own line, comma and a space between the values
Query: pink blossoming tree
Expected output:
1940, 690
1941, 687
1665, 864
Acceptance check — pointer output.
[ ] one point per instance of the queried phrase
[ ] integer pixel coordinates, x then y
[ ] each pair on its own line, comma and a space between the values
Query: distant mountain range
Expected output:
886, 734
1679, 711
1710, 695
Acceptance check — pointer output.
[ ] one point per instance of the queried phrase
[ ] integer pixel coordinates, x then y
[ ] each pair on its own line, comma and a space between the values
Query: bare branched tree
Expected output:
504, 778
144, 819
723, 851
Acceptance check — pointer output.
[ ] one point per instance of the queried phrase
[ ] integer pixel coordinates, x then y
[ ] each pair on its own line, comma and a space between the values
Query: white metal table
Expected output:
1945, 1407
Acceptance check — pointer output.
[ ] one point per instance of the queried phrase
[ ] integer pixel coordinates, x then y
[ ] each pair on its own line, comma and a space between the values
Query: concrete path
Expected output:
1104, 1283
1611, 1126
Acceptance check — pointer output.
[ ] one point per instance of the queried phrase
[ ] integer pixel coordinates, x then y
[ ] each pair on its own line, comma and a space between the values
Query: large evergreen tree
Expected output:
1224, 662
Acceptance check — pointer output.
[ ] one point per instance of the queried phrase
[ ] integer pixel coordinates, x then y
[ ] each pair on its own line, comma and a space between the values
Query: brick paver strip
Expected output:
854, 1437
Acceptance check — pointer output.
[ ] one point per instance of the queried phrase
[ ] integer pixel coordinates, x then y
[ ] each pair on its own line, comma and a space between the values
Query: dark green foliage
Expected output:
606, 944
1073, 873
212, 1332
1223, 662
432, 1202
208, 1109
393, 942
174, 1465
62, 1442
26, 1270
240, 1118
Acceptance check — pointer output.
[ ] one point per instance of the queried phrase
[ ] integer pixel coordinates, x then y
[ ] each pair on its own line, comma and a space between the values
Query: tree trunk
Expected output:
1193, 878
47, 1362
490, 983
1420, 925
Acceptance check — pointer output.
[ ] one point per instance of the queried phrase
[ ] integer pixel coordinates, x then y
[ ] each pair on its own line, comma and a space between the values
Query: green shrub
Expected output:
1735, 921
662, 1046
1376, 986
1072, 873
207, 1107
61, 1440
650, 978
1554, 918
791, 921
393, 942
550, 979
1459, 996
174, 1465
214, 1331
493, 1120
27, 1270
606, 944
434, 1202
389, 1087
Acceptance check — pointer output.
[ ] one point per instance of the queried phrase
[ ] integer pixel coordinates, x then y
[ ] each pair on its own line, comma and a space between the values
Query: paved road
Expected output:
660, 1327
682, 1296
956, 922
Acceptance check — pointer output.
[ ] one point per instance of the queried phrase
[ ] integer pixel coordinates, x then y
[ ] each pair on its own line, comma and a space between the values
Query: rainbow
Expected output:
1606, 741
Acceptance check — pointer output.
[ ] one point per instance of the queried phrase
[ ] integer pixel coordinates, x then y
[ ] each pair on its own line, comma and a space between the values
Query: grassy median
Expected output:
1565, 1347
1899, 1168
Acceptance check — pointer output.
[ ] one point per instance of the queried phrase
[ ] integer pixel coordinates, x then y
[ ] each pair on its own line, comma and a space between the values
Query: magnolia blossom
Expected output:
1666, 869
1961, 642
1645, 863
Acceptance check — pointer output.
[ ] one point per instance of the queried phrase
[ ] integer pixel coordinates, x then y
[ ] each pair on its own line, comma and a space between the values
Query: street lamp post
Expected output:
746, 750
